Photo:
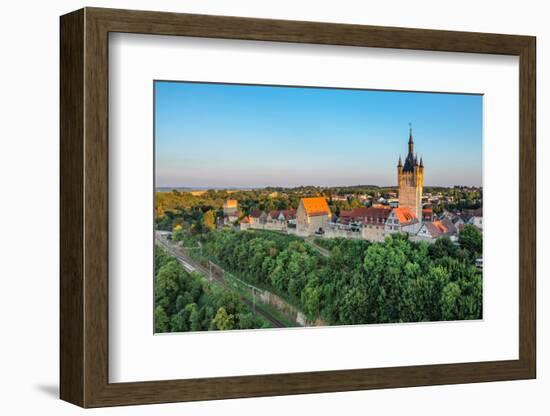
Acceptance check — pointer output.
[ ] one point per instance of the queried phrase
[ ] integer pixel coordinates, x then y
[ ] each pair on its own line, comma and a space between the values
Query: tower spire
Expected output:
411, 141
399, 164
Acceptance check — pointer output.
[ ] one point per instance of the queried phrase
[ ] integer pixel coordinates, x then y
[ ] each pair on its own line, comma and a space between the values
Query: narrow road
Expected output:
322, 251
191, 265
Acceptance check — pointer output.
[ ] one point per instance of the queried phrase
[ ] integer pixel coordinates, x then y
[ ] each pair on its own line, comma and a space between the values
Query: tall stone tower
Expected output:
410, 179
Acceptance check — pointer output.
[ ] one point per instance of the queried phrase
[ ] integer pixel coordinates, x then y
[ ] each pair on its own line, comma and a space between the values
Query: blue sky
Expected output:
224, 135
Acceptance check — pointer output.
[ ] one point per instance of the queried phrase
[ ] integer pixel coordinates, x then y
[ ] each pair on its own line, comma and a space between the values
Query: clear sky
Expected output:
224, 135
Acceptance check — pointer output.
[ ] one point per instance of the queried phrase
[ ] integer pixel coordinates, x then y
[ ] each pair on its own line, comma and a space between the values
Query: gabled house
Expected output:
273, 216
257, 218
430, 231
402, 220
374, 223
477, 218
289, 216
230, 206
231, 218
313, 216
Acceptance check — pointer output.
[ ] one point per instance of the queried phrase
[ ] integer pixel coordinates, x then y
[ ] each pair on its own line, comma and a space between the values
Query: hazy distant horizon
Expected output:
211, 135
229, 188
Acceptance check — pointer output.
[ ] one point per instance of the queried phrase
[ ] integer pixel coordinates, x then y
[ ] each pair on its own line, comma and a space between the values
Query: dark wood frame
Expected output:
84, 207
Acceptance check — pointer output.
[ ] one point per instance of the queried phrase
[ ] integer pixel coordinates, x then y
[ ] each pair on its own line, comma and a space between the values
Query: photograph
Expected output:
294, 206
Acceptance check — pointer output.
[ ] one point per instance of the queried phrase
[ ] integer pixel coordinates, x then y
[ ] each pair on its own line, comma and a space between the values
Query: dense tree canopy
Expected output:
186, 302
360, 282
471, 239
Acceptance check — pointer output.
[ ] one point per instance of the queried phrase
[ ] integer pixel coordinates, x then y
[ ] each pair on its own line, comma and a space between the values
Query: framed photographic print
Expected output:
255, 207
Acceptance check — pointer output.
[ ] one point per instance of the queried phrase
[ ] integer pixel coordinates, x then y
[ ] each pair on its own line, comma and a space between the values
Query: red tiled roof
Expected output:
289, 214
439, 228
256, 213
404, 215
370, 215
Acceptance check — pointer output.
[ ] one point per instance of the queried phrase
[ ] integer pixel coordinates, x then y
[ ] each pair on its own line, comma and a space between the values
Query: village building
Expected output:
289, 216
410, 180
275, 217
313, 216
374, 223
393, 202
231, 218
275, 220
427, 213
257, 218
477, 218
282, 217
278, 220
230, 206
402, 220
245, 223
430, 231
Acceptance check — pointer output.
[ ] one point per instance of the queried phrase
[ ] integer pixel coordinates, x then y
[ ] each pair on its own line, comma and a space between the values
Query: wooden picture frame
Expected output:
84, 207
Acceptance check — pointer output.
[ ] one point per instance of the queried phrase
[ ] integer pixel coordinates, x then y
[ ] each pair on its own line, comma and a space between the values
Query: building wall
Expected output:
229, 210
273, 226
478, 222
372, 232
306, 225
391, 227
301, 219
339, 233
319, 221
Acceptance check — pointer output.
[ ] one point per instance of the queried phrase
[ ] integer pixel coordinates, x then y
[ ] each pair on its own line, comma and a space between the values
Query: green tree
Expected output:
209, 220
471, 239
180, 321
443, 247
223, 321
450, 302
311, 301
162, 322
193, 317
168, 285
177, 233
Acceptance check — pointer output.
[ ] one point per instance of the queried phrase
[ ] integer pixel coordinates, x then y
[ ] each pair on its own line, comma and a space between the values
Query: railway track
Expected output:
191, 266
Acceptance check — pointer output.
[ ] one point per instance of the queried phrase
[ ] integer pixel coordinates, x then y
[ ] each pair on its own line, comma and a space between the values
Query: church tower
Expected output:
410, 180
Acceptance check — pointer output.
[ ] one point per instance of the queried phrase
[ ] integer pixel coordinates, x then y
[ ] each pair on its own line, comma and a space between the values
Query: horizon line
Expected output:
218, 188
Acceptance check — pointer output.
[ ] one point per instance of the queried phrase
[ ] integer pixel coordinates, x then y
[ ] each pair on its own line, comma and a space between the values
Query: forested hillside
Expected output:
360, 282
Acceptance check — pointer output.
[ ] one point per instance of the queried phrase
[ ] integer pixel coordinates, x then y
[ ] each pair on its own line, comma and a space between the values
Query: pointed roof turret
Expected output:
399, 164
411, 141
409, 160
421, 162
